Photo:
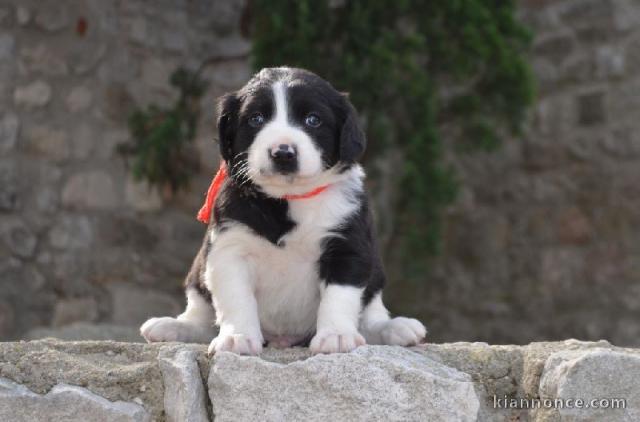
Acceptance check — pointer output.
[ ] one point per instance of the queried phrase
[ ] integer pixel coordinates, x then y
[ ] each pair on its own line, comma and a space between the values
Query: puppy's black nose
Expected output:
283, 153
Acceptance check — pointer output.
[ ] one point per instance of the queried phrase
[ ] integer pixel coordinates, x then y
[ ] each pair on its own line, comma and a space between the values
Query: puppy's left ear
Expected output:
352, 139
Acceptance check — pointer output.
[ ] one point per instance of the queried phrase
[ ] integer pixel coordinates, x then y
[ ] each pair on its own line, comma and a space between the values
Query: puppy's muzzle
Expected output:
284, 158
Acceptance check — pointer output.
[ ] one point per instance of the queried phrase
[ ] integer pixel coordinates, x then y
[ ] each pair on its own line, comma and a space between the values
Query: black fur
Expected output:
351, 257
268, 217
195, 278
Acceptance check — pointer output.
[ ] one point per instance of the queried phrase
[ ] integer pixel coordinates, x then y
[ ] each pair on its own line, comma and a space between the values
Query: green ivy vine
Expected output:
161, 135
395, 58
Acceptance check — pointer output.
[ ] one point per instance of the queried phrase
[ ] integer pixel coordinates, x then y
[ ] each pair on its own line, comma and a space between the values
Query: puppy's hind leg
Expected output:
378, 328
194, 325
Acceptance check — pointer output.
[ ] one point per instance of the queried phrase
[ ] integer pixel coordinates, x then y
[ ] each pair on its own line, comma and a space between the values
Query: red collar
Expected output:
204, 215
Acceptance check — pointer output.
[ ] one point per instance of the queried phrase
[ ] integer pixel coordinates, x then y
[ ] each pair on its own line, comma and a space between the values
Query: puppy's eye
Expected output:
312, 120
256, 120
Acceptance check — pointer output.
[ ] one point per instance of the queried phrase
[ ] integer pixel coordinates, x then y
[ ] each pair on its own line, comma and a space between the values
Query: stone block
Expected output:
373, 383
64, 402
18, 237
48, 142
33, 95
71, 232
23, 15
51, 17
142, 197
156, 73
9, 127
133, 305
83, 142
555, 48
79, 99
87, 331
184, 393
225, 16
42, 58
591, 108
610, 62
434, 382
72, 310
10, 187
7, 47
574, 227
93, 189
597, 374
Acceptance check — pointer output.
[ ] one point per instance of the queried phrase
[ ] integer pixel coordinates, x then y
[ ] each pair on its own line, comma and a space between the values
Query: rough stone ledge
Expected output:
105, 380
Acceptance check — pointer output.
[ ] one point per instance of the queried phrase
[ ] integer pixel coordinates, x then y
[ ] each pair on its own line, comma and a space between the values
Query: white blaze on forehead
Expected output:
280, 96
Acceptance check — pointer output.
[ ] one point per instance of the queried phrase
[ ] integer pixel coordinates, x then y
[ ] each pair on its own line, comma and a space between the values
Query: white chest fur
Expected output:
285, 278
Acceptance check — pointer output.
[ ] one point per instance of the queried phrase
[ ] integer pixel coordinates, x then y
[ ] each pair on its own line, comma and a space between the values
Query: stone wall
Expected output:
540, 245
107, 381
544, 240
79, 239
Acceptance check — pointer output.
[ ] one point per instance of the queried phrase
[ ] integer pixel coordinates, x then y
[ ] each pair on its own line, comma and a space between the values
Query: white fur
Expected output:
194, 325
338, 315
378, 328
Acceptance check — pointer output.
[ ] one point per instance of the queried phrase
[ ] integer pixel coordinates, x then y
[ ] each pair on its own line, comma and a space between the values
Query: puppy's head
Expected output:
288, 131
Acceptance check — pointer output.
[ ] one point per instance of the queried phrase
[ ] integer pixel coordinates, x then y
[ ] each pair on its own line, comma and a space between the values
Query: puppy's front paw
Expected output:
331, 342
162, 329
401, 331
236, 343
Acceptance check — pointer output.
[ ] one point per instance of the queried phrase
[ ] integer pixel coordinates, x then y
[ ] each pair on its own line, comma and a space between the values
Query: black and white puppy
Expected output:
290, 255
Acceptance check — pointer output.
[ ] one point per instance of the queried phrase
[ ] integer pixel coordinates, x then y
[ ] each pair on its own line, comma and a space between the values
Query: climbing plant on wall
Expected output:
409, 65
161, 135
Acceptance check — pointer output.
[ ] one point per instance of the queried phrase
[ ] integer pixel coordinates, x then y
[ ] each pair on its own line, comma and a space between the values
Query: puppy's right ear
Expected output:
228, 107
352, 139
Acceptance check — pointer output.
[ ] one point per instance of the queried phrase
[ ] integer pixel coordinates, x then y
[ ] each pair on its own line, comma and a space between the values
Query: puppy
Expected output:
290, 256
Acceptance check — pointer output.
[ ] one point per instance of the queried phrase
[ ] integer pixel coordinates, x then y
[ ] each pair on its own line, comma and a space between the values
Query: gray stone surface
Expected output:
142, 197
87, 331
443, 382
48, 142
35, 94
373, 383
79, 99
548, 225
65, 99
93, 189
19, 238
126, 372
72, 310
23, 15
184, 395
71, 232
64, 403
9, 126
597, 374
7, 44
133, 305
52, 18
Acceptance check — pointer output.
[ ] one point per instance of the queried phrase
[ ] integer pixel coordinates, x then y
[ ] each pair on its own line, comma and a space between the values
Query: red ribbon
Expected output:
204, 215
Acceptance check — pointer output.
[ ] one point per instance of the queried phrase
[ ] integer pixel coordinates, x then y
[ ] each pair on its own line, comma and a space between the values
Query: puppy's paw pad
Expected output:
401, 331
330, 342
236, 343
162, 329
